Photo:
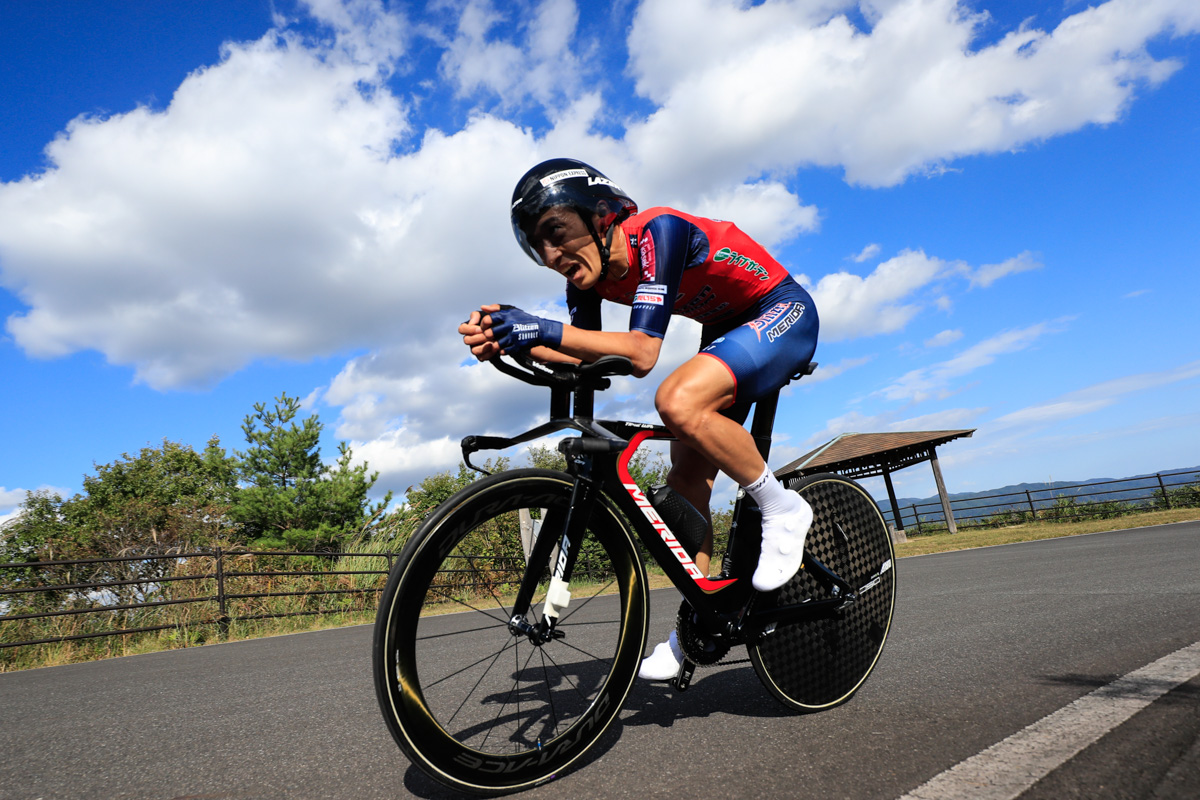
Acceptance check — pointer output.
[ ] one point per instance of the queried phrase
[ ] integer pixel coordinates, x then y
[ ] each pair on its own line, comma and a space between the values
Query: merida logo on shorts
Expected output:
739, 260
780, 327
777, 320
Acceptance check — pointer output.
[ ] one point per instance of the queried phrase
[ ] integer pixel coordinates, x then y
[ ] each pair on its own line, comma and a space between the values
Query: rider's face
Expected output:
567, 247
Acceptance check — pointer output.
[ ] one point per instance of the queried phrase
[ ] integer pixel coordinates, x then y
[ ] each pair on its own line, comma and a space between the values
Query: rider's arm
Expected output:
660, 260
578, 344
583, 339
584, 345
663, 254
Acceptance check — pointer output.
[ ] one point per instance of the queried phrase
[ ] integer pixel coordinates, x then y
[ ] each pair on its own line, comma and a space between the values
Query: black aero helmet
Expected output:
567, 182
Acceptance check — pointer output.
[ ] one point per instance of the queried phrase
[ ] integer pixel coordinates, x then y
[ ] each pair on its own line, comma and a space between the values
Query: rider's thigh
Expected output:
764, 353
700, 385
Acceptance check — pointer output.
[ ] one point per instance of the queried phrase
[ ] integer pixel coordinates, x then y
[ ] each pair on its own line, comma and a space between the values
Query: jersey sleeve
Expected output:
662, 258
584, 308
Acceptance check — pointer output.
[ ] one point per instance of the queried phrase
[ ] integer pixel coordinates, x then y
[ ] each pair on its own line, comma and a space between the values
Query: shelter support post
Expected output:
941, 487
887, 481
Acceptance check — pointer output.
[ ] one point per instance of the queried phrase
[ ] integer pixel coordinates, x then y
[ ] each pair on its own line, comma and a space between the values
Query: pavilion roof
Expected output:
862, 455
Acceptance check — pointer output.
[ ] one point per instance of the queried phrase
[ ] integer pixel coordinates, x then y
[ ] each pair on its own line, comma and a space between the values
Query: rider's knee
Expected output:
676, 408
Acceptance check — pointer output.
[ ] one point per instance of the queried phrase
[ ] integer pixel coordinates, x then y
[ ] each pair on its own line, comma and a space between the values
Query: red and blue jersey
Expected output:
704, 269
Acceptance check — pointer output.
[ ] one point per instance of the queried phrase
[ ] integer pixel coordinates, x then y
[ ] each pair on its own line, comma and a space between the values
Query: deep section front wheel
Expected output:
474, 705
819, 663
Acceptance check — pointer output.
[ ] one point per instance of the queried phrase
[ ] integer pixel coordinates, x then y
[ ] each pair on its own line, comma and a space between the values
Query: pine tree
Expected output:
289, 497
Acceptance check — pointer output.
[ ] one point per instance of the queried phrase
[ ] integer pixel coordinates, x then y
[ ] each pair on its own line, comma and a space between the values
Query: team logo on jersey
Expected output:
646, 256
777, 320
739, 260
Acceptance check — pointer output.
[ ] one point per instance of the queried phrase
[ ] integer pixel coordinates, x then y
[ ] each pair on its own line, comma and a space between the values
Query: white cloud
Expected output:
777, 85
934, 381
364, 31
1093, 398
866, 254
944, 338
11, 497
988, 274
767, 211
827, 372
261, 214
851, 306
541, 65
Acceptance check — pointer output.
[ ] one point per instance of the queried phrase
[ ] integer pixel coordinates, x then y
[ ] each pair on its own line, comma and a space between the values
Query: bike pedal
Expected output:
684, 678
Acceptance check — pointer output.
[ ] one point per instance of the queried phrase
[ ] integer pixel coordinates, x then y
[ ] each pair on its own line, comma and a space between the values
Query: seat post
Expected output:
763, 423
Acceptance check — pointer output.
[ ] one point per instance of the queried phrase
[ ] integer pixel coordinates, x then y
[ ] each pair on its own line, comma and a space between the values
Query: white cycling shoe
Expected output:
782, 547
663, 664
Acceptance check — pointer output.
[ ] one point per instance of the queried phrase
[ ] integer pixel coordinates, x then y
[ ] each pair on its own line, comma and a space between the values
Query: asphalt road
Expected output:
984, 643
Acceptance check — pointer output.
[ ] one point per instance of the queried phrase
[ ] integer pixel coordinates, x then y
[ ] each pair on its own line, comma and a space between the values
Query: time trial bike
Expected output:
547, 567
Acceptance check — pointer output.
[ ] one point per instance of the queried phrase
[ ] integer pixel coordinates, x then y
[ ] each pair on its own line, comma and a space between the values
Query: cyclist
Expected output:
759, 329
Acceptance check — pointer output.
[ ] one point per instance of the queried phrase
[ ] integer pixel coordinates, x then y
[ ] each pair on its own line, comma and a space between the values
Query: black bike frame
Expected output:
599, 463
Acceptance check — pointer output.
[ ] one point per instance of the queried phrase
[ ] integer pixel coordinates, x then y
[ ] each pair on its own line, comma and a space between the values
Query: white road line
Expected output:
1008, 768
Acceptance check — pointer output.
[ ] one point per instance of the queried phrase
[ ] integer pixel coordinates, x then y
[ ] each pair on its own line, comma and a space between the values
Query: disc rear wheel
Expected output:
817, 664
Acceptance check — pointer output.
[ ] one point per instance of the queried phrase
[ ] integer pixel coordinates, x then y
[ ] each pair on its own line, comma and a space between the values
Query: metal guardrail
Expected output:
1062, 503
130, 594
212, 583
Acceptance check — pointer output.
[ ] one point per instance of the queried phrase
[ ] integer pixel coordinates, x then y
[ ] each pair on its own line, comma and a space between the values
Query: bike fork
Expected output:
573, 529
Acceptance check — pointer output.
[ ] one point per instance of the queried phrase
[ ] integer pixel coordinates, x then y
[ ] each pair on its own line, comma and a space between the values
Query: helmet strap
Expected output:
605, 247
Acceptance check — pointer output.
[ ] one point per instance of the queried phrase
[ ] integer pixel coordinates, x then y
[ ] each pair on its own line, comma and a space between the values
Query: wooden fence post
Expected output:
1032, 510
916, 518
1163, 487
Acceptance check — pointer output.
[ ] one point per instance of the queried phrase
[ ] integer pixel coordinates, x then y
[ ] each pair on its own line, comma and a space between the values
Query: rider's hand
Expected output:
478, 335
516, 330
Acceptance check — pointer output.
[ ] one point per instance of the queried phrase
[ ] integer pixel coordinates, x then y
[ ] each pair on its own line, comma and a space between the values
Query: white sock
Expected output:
772, 498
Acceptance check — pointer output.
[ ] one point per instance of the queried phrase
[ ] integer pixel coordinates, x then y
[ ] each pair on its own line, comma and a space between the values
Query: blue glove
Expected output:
517, 330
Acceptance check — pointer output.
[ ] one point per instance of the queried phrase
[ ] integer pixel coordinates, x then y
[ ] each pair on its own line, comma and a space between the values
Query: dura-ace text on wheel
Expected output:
815, 664
473, 703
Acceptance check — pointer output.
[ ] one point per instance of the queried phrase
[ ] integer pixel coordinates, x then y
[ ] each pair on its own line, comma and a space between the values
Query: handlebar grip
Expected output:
475, 443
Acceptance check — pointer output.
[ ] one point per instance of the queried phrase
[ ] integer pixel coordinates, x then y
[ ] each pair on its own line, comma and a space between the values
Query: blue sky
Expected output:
204, 204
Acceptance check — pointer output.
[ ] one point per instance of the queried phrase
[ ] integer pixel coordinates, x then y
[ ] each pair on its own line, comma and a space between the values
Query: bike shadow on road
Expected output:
730, 690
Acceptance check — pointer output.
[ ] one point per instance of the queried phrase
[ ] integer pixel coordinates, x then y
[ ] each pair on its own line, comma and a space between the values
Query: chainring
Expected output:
700, 648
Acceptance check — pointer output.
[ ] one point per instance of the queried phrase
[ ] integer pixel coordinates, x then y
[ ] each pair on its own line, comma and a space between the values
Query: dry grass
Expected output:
1032, 531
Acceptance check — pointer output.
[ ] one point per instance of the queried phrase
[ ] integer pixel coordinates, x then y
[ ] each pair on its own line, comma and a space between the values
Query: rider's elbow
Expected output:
645, 354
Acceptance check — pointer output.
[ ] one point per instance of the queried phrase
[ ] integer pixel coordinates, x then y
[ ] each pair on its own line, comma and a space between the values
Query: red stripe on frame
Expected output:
707, 584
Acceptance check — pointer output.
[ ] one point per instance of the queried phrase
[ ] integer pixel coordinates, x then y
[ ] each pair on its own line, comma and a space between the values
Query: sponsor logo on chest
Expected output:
739, 260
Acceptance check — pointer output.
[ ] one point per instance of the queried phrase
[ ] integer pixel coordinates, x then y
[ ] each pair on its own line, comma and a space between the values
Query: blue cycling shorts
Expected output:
765, 346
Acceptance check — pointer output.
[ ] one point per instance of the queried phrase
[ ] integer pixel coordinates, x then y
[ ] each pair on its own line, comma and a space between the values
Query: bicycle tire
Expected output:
473, 706
817, 664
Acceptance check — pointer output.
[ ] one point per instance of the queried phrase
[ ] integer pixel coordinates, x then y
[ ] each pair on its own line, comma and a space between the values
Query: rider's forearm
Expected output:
551, 355
640, 348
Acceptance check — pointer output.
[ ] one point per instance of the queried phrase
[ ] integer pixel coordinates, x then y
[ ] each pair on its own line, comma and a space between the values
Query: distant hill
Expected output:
1134, 488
